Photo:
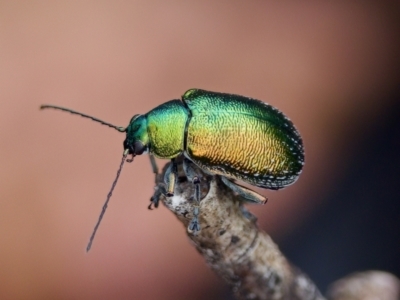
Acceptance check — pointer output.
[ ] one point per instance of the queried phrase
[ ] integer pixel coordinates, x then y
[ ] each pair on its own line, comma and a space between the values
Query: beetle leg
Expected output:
245, 193
154, 167
170, 178
189, 170
248, 215
159, 190
194, 225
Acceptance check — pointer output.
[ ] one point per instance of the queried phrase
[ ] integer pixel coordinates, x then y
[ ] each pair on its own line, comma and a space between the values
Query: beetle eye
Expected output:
139, 147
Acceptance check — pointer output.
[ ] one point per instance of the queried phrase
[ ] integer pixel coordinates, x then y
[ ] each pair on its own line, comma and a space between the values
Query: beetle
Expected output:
235, 137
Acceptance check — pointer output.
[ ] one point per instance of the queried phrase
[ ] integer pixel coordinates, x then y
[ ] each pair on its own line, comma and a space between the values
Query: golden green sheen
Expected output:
166, 127
242, 138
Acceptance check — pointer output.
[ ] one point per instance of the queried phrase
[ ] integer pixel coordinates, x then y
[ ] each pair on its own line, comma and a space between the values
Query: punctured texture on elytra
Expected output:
242, 138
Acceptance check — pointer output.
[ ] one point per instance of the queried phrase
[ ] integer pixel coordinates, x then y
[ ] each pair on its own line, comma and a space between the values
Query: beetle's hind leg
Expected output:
194, 225
247, 214
245, 193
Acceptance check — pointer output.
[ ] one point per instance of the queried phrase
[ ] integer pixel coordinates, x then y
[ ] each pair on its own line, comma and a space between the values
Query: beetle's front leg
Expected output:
170, 176
154, 167
160, 188
194, 225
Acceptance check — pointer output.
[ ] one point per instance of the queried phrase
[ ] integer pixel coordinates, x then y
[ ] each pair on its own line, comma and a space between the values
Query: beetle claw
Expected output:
194, 226
159, 190
154, 201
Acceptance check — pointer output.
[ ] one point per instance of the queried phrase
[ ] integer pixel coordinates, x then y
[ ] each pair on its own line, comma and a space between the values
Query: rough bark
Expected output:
247, 258
234, 247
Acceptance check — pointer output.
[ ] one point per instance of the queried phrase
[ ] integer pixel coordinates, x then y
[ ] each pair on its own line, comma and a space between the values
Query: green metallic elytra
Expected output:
242, 138
236, 137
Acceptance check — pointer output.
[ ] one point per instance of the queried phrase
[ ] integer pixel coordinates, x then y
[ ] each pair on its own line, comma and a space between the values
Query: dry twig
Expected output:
234, 247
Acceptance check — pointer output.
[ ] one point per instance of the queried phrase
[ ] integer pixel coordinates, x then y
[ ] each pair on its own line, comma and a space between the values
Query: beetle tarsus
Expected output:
194, 226
159, 190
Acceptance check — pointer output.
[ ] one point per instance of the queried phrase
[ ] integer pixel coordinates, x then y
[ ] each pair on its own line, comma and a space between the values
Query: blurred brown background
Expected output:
332, 67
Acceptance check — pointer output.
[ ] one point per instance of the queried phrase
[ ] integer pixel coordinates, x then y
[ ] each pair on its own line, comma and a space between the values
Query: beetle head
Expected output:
137, 139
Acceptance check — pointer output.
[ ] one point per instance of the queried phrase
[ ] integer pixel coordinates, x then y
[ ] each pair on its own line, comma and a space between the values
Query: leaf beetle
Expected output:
236, 137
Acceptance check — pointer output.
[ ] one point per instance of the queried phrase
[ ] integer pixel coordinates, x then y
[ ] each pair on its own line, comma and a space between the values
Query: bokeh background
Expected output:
332, 67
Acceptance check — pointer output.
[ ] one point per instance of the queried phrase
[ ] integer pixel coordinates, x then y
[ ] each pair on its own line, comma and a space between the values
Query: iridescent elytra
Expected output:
235, 137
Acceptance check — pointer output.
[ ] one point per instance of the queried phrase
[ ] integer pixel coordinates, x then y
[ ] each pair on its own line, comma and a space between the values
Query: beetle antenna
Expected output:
119, 128
106, 203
